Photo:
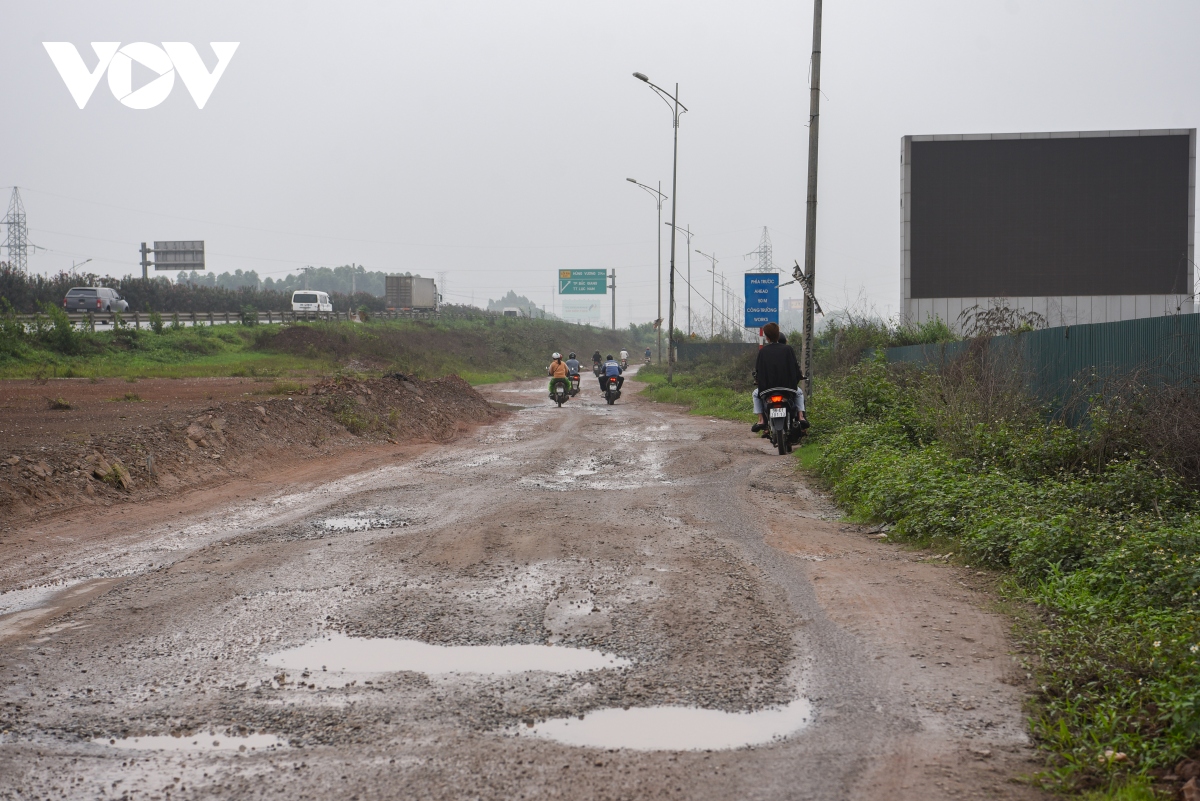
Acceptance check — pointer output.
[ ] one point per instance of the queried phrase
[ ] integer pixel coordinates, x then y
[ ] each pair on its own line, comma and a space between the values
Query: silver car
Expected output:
94, 299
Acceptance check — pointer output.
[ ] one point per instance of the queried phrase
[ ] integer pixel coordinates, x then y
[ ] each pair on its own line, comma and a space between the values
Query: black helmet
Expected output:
572, 356
610, 357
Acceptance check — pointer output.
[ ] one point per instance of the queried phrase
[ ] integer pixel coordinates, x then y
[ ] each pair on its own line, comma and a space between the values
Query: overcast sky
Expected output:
491, 140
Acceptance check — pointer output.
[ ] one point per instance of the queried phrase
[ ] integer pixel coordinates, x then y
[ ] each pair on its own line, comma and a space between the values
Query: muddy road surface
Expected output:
590, 602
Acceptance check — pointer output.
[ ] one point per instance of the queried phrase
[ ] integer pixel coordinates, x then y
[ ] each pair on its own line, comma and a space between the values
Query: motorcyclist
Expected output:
611, 368
597, 360
624, 359
558, 372
776, 366
647, 355
572, 365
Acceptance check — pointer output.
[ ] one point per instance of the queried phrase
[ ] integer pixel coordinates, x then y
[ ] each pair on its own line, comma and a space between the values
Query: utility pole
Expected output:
353, 281
658, 325
689, 239
145, 262
613, 286
810, 222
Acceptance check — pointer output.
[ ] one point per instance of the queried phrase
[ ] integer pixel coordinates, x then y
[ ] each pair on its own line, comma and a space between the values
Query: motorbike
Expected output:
624, 364
646, 360
611, 392
560, 392
784, 425
596, 368
574, 385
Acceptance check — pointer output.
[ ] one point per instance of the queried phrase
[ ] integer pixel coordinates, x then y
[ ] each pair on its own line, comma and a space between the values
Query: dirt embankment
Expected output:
172, 435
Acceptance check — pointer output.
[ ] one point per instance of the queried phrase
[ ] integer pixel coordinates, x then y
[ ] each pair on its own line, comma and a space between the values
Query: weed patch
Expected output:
1104, 540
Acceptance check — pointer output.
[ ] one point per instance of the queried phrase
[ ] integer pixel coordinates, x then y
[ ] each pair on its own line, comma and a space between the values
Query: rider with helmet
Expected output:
572, 365
558, 372
611, 368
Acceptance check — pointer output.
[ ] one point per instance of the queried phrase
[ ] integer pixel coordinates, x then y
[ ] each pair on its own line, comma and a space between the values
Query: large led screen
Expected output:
1049, 217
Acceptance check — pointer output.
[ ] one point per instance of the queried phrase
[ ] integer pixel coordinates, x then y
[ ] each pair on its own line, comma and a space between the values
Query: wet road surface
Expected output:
590, 602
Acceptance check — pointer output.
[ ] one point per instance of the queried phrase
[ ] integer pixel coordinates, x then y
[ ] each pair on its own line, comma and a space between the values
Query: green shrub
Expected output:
60, 333
156, 322
1104, 539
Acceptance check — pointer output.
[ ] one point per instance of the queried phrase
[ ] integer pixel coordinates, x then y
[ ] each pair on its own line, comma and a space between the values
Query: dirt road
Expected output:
590, 602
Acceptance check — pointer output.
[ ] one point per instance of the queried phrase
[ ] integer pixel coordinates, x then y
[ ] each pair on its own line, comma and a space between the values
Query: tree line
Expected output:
28, 293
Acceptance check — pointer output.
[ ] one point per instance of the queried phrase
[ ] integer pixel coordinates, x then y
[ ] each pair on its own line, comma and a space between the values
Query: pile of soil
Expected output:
96, 451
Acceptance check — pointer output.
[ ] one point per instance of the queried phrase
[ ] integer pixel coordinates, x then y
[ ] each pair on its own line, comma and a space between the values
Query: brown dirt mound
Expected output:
48, 464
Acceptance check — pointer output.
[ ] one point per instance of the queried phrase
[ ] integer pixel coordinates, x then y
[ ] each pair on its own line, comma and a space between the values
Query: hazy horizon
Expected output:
492, 143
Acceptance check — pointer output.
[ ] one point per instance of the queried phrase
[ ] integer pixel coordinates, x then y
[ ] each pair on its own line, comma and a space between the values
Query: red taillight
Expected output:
776, 399
97, 303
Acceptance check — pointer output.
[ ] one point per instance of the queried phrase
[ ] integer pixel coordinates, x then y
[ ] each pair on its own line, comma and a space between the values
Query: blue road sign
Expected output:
762, 299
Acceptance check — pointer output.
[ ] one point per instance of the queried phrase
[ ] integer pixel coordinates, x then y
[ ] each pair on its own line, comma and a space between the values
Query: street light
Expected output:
689, 234
672, 101
658, 199
724, 297
713, 292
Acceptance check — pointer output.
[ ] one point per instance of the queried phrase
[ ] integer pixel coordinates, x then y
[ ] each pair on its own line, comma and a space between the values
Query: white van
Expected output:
305, 300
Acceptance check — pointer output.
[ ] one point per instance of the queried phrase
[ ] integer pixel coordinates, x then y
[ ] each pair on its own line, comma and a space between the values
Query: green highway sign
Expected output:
582, 282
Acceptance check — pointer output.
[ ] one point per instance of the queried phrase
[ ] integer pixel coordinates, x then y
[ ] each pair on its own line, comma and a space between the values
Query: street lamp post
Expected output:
712, 292
689, 233
658, 199
672, 101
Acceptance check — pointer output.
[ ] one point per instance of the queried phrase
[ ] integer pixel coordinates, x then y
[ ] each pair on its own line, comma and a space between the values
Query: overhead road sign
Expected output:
762, 299
582, 282
180, 255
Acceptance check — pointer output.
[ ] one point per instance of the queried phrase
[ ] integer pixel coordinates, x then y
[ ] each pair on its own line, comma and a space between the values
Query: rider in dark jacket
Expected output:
776, 367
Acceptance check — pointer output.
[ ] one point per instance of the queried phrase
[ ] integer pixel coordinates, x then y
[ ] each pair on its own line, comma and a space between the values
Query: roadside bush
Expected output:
60, 334
1097, 523
12, 331
156, 322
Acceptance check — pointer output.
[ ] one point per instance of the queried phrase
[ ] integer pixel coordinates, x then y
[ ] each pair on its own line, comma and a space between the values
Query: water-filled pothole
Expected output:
359, 523
339, 654
675, 728
197, 742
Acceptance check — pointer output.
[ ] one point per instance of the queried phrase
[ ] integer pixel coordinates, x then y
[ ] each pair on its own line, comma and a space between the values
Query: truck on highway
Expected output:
410, 292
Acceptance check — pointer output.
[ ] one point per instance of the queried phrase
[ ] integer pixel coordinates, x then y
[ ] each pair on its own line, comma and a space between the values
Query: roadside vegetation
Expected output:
480, 348
1087, 510
716, 388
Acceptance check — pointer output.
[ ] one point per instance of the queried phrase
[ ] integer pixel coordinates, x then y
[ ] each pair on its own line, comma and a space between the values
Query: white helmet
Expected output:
556, 355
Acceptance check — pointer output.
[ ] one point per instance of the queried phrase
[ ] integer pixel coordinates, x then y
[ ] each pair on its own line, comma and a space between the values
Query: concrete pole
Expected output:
613, 287
810, 222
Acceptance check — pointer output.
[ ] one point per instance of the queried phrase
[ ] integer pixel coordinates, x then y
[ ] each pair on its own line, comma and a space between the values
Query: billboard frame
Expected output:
1057, 310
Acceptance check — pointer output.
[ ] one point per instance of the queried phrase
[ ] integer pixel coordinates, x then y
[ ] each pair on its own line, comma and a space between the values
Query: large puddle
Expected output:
675, 728
197, 742
360, 523
339, 654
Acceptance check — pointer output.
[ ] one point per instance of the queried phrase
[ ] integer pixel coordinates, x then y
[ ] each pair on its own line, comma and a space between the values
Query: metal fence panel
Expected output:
1155, 349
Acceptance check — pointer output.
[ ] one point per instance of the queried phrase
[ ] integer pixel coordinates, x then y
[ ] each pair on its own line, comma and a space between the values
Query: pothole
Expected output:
674, 728
339, 654
197, 742
359, 523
